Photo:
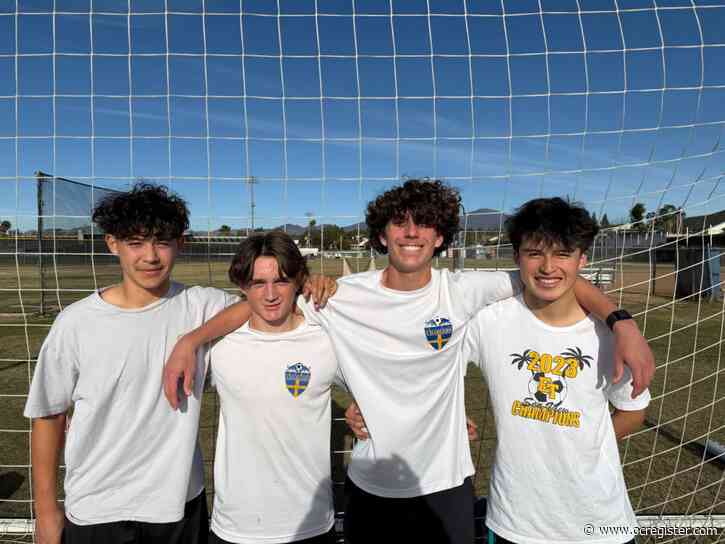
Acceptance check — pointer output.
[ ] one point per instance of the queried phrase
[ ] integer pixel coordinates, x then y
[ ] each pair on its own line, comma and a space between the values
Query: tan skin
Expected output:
627, 422
47, 437
271, 297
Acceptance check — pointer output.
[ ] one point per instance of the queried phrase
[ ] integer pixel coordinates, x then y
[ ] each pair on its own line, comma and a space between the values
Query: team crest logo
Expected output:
438, 331
297, 377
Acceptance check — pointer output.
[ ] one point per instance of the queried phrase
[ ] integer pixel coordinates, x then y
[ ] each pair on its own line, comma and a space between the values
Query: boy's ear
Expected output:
180, 243
582, 260
516, 257
112, 243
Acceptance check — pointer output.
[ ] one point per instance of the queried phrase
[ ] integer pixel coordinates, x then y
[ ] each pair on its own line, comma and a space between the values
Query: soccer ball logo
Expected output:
438, 331
297, 378
548, 389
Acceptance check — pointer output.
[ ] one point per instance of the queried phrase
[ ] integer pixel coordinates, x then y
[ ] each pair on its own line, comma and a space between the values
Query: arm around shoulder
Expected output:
481, 288
631, 348
181, 364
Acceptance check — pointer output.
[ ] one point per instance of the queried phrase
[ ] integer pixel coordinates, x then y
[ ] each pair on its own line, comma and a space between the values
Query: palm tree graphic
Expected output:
576, 353
522, 359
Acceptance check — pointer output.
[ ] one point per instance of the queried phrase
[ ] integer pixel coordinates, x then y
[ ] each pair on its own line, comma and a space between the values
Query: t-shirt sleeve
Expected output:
215, 300
620, 394
478, 289
472, 352
56, 373
339, 379
315, 317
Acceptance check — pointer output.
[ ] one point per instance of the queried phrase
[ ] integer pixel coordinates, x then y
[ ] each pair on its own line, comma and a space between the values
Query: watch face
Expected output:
617, 315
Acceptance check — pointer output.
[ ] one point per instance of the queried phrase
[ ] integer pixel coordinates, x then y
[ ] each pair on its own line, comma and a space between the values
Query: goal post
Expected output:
64, 209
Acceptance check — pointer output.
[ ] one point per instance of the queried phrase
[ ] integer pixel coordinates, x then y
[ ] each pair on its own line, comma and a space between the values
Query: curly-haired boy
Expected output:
133, 467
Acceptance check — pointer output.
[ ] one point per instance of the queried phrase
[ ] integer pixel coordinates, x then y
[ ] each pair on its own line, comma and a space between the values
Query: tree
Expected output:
605, 222
636, 216
310, 226
225, 229
594, 218
667, 218
5, 226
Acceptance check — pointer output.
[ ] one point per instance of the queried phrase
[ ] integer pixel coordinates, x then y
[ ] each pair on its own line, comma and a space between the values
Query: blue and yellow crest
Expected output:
438, 331
297, 377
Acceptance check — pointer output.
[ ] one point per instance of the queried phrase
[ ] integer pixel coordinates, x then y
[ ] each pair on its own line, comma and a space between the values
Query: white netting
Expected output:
296, 113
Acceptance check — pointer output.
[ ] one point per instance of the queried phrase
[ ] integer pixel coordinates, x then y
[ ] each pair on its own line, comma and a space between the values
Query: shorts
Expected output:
493, 538
193, 528
445, 517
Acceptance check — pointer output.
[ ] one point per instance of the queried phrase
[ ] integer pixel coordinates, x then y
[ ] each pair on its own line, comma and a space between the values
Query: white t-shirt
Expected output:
556, 466
128, 455
272, 468
399, 354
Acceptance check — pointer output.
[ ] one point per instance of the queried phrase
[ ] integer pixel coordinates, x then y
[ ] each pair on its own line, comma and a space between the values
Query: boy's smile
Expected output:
548, 271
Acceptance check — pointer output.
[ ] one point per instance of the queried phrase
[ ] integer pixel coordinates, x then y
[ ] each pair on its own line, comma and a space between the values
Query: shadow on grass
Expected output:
10, 482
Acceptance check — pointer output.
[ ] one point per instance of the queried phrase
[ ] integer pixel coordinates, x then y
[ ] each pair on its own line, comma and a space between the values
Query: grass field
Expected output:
665, 465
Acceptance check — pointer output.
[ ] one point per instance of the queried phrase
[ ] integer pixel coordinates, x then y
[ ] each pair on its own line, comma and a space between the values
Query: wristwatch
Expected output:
617, 315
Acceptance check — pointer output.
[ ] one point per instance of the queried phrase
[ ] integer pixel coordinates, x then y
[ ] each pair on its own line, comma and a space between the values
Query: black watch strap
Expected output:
617, 315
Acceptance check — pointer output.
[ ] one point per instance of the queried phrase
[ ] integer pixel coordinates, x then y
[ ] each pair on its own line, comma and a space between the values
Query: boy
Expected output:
273, 376
398, 335
556, 466
133, 467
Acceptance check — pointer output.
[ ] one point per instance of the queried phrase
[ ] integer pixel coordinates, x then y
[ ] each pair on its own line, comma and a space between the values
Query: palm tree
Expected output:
310, 225
636, 216
576, 353
522, 359
667, 218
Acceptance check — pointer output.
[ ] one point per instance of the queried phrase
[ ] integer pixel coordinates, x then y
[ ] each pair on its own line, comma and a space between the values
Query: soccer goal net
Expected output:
294, 114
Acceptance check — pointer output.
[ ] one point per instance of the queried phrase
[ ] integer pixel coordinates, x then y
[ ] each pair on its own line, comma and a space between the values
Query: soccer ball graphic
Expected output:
548, 388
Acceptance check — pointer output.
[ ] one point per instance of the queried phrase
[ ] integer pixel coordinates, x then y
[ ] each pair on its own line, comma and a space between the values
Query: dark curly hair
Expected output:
430, 203
552, 221
275, 244
147, 210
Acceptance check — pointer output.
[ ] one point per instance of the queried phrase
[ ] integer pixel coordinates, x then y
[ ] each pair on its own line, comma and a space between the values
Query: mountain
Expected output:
354, 227
292, 229
480, 219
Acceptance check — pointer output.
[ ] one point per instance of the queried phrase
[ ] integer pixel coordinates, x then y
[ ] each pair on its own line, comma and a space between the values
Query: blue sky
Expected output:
326, 104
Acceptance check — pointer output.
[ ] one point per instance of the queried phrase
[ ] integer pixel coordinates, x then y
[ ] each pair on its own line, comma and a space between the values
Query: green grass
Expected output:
663, 463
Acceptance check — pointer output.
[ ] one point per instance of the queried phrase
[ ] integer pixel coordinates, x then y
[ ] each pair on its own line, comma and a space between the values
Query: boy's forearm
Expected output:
626, 422
592, 299
46, 443
226, 321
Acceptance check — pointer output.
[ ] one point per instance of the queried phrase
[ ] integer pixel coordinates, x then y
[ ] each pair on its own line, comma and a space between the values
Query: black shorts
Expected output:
445, 517
325, 538
193, 528
493, 538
